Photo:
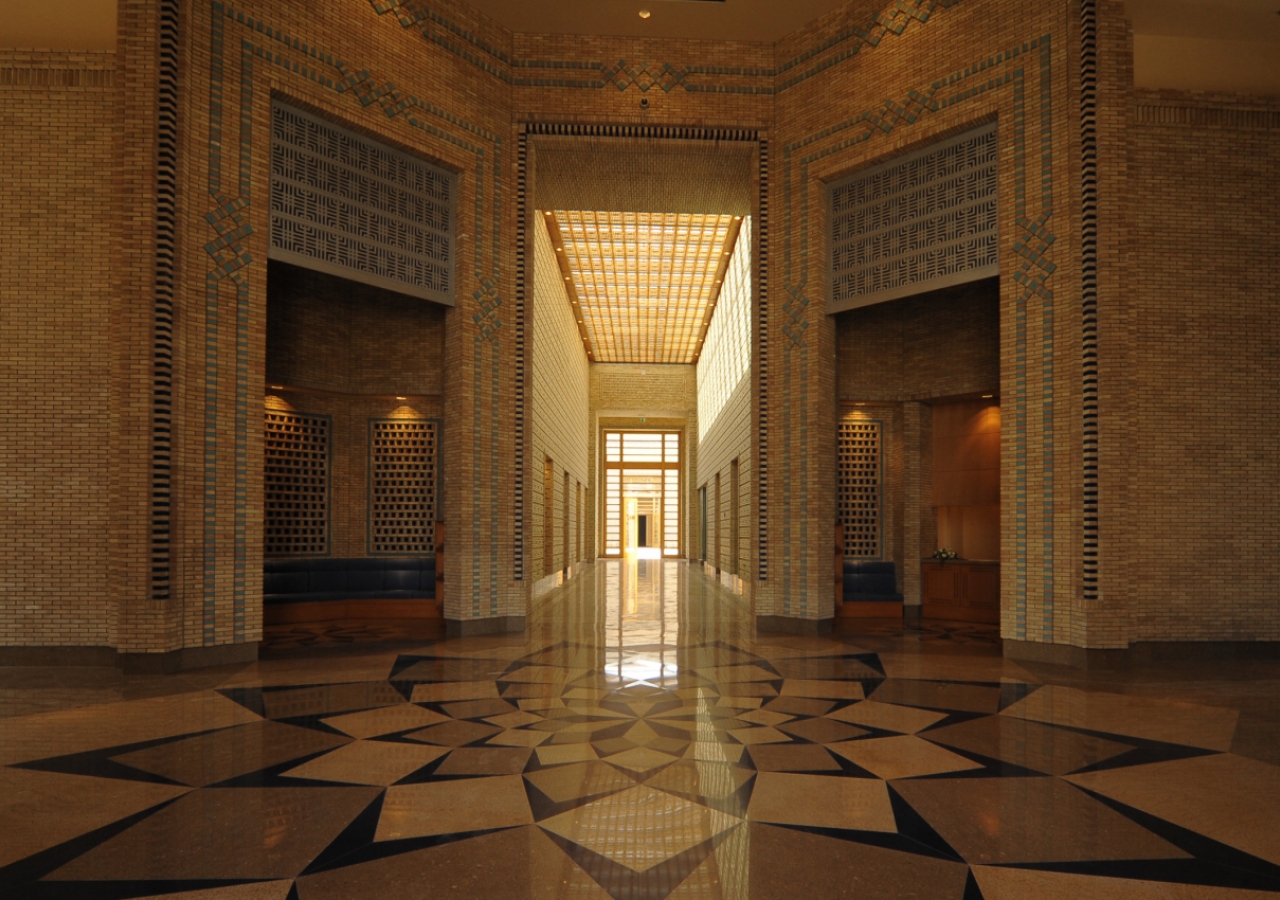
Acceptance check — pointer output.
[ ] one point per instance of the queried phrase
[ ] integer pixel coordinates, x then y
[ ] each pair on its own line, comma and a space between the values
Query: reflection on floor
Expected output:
641, 741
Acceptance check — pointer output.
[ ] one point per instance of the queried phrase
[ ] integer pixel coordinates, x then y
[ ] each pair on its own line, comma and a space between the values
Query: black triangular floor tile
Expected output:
358, 834
26, 871
971, 889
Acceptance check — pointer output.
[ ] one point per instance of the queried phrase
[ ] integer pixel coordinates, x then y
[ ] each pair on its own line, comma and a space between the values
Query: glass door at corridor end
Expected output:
642, 494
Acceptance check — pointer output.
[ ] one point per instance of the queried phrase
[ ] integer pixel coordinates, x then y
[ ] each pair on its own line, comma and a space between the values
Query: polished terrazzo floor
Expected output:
641, 741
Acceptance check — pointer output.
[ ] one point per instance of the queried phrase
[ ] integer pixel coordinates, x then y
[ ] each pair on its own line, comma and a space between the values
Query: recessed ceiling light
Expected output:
277, 387
400, 398
644, 13
987, 396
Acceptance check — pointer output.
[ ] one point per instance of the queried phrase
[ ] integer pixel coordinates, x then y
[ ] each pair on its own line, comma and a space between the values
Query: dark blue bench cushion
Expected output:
303, 580
871, 582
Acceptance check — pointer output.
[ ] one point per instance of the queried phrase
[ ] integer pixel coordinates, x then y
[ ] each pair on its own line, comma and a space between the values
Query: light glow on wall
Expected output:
726, 355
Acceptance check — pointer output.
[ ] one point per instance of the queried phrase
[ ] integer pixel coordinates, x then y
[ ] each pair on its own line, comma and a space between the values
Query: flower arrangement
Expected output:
945, 553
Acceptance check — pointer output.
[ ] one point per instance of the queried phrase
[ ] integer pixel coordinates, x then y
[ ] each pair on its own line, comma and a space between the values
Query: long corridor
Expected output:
640, 741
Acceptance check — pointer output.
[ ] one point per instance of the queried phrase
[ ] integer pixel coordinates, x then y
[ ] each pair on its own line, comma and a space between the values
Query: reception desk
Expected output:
961, 590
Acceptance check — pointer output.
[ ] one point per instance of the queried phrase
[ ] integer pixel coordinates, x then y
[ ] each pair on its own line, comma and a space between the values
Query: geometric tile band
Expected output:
347, 205
403, 457
162, 348
859, 488
1089, 286
296, 484
921, 222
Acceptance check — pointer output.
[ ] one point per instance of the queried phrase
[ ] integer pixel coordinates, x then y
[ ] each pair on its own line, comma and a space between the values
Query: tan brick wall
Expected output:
1195, 540
445, 88
560, 409
57, 140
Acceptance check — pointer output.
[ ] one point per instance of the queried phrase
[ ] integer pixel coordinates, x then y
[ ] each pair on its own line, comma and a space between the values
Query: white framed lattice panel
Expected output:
859, 488
403, 490
296, 484
350, 206
914, 224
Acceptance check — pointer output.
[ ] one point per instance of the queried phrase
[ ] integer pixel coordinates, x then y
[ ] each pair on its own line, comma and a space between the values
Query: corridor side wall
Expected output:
561, 416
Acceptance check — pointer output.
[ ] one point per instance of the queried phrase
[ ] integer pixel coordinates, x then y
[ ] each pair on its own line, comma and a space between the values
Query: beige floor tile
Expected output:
938, 695
734, 674
1226, 797
1032, 745
514, 719
387, 720
748, 689
476, 709
565, 753
785, 864
95, 727
703, 883
468, 868
1192, 724
714, 751
485, 761
999, 883
792, 758
447, 807
262, 890
1028, 820
369, 762
742, 702
640, 733
640, 827
764, 717
211, 758
454, 733
454, 690
39, 810
831, 690
824, 668
821, 801
888, 716
329, 698
704, 779
544, 675
905, 756
512, 738
541, 703
640, 759
245, 833
800, 706
821, 730
764, 735
571, 782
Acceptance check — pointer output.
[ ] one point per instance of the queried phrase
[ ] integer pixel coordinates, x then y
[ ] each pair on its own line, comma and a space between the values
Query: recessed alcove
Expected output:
918, 384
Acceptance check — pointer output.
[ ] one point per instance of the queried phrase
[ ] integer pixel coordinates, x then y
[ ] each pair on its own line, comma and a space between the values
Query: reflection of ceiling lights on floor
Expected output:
646, 553
646, 669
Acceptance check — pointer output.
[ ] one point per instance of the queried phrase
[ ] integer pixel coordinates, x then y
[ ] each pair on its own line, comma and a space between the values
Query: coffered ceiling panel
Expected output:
643, 285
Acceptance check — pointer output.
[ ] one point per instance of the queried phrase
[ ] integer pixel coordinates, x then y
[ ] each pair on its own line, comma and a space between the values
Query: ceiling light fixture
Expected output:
401, 398
644, 14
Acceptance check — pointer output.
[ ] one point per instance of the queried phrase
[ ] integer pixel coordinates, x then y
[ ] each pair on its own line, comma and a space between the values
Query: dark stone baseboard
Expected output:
1143, 653
59, 656
188, 658
131, 663
793, 625
494, 625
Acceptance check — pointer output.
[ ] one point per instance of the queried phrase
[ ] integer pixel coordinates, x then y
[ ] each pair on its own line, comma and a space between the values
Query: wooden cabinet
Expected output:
961, 591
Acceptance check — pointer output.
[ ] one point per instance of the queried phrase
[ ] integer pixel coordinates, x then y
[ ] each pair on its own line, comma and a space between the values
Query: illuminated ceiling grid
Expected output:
645, 282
